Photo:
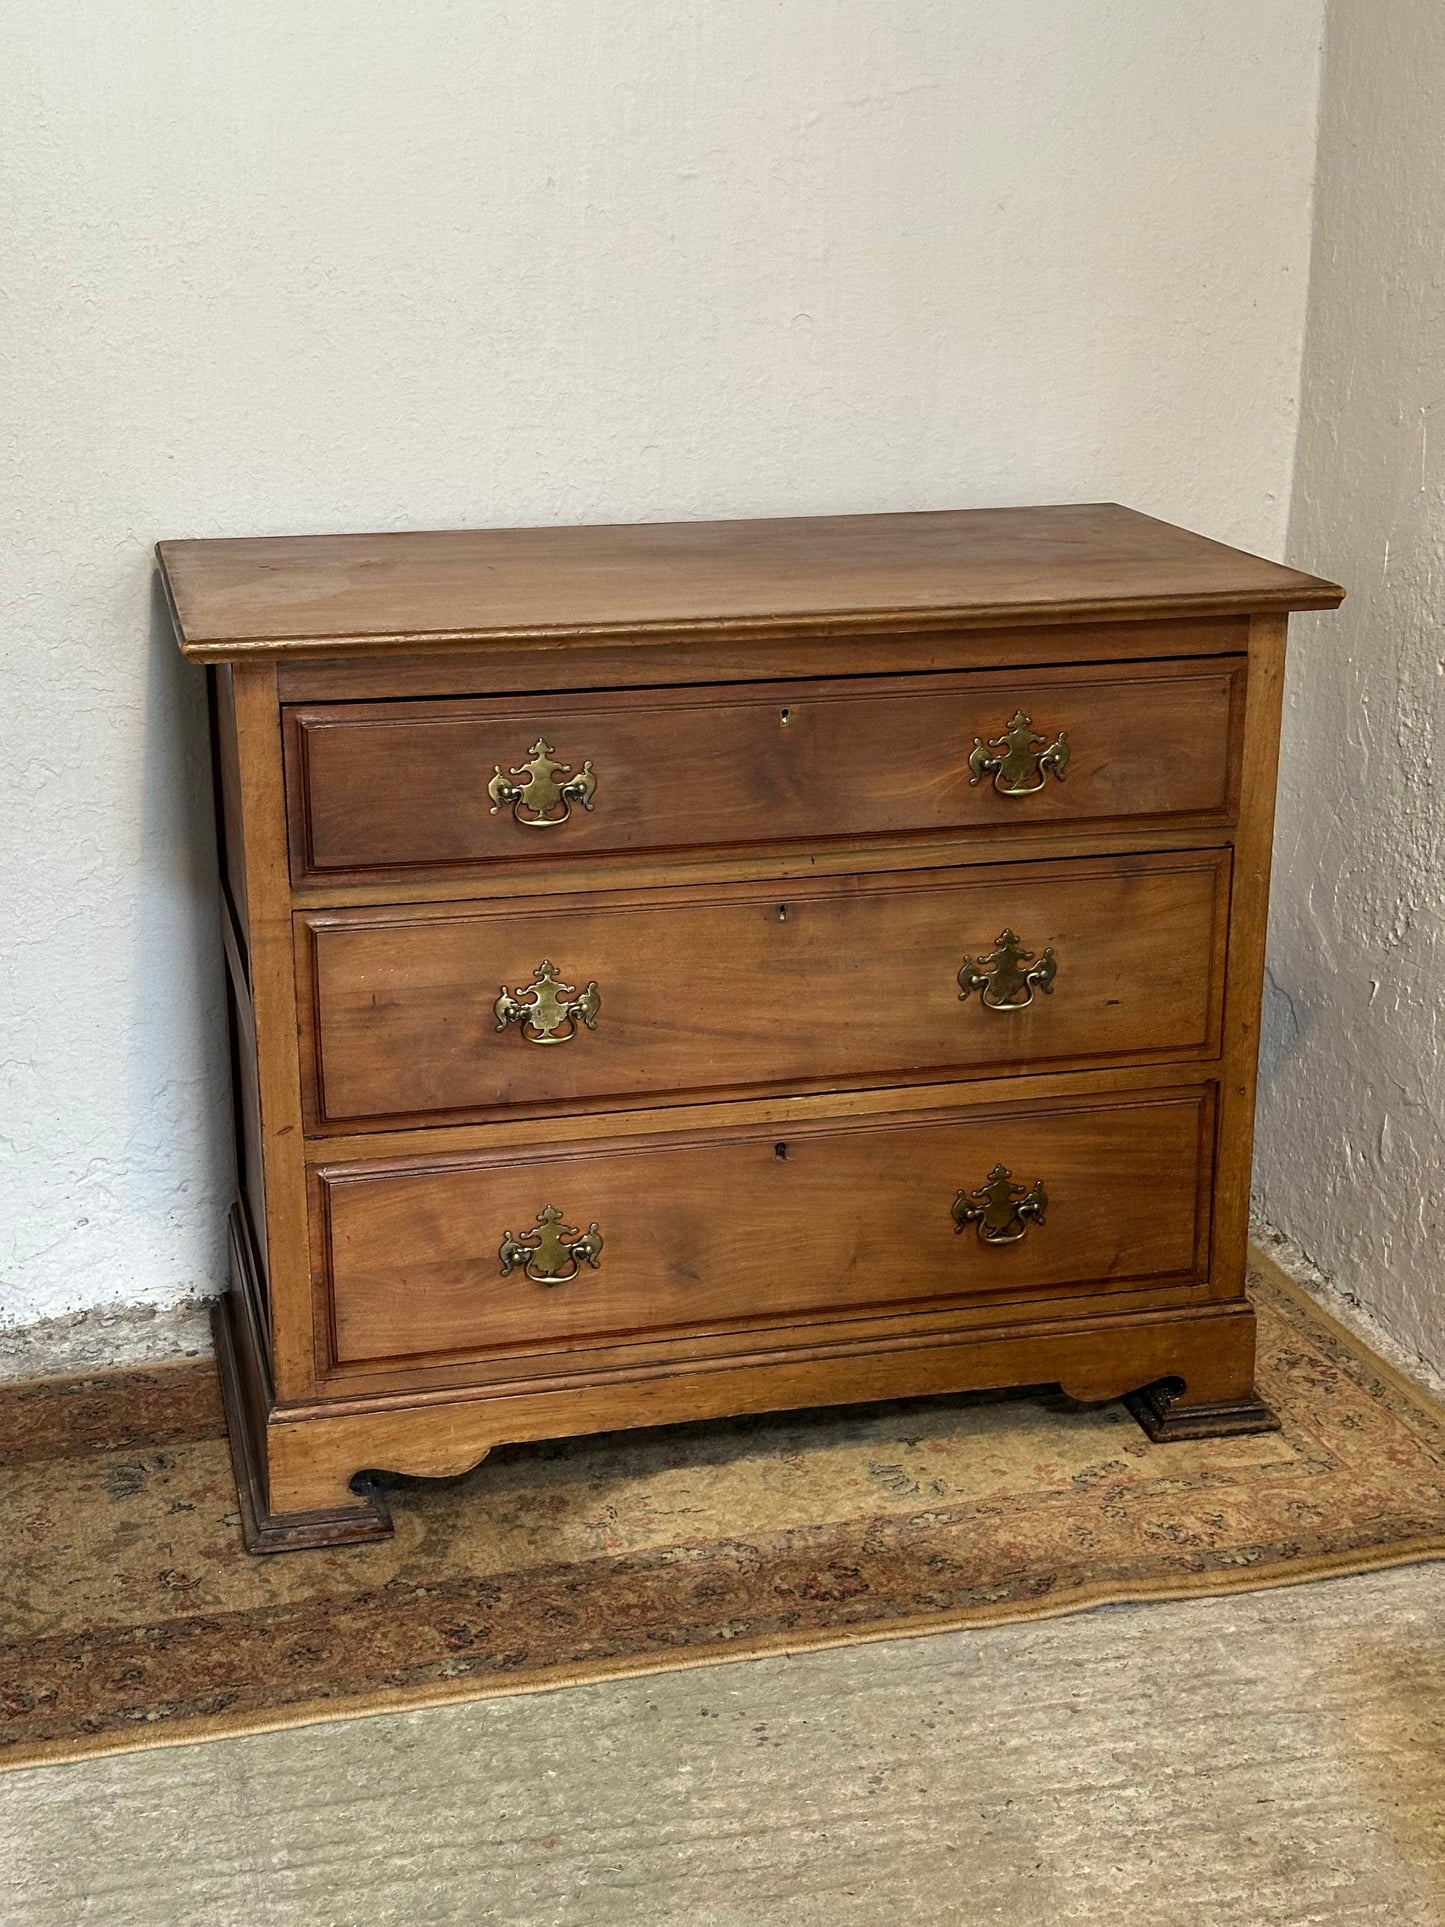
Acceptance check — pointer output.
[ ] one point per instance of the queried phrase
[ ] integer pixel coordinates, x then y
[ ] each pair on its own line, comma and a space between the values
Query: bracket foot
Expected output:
261, 1529
1163, 1412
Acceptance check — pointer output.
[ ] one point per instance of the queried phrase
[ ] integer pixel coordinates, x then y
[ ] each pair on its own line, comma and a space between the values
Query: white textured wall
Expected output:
311, 265
1351, 1158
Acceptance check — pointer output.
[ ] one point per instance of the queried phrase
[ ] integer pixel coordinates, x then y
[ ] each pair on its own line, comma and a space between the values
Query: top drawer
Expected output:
400, 786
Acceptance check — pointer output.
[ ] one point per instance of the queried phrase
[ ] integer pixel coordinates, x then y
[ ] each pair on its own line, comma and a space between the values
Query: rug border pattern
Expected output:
1215, 1583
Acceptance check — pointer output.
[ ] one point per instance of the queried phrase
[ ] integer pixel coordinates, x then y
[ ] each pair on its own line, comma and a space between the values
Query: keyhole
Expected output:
785, 716
780, 1152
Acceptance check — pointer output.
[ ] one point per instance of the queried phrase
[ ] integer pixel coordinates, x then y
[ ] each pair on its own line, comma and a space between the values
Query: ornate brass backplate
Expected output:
1001, 1209
1007, 977
554, 1010
1024, 760
554, 1253
542, 796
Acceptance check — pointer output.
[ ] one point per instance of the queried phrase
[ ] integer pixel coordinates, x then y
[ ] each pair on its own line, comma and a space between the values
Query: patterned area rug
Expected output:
131, 1616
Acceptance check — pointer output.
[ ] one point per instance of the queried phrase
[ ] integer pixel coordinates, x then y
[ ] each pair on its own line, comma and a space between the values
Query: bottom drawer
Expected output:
593, 1241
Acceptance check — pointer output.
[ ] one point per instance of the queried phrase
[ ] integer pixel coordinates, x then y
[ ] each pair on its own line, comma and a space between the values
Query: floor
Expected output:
1273, 1758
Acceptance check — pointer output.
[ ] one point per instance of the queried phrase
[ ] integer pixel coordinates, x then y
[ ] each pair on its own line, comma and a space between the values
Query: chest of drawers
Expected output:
685, 970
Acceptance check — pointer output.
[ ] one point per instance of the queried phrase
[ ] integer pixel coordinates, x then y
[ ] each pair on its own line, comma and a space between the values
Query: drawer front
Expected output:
400, 786
596, 1241
668, 994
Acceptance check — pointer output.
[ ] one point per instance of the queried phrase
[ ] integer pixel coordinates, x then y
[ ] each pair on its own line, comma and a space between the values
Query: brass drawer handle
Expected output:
1024, 760
1001, 1209
542, 795
1001, 978
554, 1253
555, 1009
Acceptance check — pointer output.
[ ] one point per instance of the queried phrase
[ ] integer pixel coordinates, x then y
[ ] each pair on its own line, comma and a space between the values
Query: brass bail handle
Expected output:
1007, 976
1001, 1209
1023, 761
544, 801
554, 1253
551, 1011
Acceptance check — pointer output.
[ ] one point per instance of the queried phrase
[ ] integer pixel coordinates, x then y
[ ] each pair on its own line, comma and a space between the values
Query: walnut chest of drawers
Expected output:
721, 967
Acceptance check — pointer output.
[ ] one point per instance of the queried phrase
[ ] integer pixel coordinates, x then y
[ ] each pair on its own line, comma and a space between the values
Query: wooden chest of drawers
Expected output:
698, 969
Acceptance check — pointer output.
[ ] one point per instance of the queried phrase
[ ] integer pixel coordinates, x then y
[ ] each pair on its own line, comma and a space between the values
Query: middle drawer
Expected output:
467, 1010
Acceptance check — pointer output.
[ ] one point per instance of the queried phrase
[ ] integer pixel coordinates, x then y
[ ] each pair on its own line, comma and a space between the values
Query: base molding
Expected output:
1165, 1418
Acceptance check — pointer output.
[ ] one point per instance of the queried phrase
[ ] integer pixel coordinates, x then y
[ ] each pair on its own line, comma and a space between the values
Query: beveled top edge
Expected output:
289, 596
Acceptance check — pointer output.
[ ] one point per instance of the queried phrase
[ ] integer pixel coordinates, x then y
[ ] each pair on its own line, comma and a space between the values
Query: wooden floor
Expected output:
1266, 1759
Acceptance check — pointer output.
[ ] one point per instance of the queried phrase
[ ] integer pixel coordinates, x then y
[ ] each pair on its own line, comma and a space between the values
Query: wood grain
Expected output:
523, 878
314, 1453
391, 787
784, 868
226, 763
972, 567
1248, 928
272, 1025
529, 667
747, 1226
740, 987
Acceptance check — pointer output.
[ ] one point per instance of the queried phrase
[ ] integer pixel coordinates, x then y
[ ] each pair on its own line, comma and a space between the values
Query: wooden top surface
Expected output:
968, 568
